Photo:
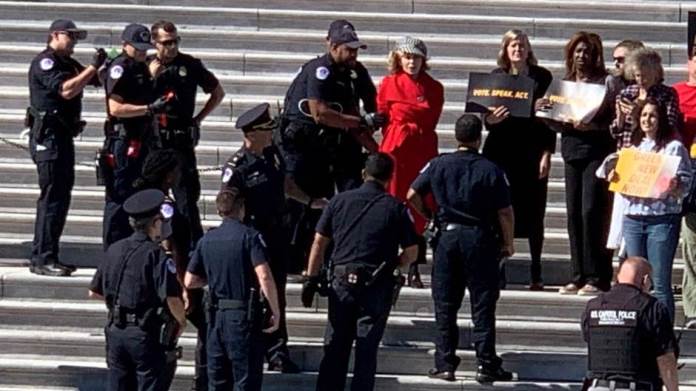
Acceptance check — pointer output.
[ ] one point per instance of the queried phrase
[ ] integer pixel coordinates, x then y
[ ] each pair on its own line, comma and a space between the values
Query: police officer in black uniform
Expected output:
181, 74
320, 108
473, 203
630, 337
367, 226
56, 82
129, 129
258, 171
232, 261
350, 160
138, 283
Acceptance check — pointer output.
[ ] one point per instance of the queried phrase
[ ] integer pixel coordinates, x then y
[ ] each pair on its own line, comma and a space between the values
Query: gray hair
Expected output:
645, 60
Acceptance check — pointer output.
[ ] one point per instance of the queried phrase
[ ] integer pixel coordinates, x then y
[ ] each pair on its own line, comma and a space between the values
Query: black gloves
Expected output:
158, 105
309, 288
373, 120
98, 58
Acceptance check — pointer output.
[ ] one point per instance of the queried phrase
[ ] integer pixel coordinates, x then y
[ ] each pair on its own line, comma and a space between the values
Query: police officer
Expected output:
179, 129
473, 203
56, 82
350, 159
130, 106
258, 171
232, 261
367, 227
320, 108
138, 283
630, 335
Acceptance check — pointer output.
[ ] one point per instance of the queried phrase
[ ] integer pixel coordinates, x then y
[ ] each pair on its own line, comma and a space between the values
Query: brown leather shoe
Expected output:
570, 289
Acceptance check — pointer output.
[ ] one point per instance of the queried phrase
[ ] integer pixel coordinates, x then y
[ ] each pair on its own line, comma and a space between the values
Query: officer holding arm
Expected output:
629, 334
320, 108
56, 82
129, 129
138, 283
257, 170
367, 226
475, 220
179, 127
232, 261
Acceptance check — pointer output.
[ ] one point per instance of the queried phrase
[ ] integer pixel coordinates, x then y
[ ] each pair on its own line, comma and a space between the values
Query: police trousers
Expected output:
197, 317
56, 180
277, 239
465, 257
187, 191
115, 223
361, 318
134, 353
235, 352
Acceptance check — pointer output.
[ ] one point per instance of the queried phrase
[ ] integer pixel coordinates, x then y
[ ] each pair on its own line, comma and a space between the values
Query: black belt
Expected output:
230, 304
630, 385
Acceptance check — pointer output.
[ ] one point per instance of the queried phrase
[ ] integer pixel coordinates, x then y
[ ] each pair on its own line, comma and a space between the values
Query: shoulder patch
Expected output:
425, 167
167, 210
46, 64
171, 266
227, 175
322, 73
116, 72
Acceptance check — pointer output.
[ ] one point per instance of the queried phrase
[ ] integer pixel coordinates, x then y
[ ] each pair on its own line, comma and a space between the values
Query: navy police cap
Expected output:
256, 118
137, 36
68, 26
145, 203
342, 31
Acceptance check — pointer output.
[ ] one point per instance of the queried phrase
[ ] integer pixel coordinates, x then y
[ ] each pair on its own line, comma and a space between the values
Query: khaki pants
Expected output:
688, 235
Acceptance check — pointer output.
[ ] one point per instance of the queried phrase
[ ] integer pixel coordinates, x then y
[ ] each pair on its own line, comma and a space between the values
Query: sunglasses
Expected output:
170, 42
619, 60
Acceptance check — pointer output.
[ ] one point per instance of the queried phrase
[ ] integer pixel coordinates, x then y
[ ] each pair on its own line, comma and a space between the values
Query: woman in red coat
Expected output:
413, 101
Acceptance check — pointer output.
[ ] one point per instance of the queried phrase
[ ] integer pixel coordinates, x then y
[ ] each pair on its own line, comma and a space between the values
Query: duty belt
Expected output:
229, 304
622, 385
454, 226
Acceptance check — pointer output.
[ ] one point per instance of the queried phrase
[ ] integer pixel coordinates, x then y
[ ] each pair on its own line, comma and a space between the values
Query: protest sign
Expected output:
573, 102
490, 90
644, 174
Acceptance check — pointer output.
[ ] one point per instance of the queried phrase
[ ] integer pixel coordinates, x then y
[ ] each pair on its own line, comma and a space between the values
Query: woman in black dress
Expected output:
522, 147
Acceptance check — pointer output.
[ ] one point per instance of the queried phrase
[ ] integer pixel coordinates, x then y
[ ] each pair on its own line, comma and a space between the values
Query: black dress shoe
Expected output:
434, 373
47, 270
490, 375
283, 366
68, 268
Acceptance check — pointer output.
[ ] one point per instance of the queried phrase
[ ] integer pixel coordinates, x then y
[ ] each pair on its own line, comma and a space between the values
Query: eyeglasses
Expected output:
170, 42
619, 60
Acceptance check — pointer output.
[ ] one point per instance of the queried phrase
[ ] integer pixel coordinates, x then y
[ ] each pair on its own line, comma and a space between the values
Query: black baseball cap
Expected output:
342, 31
67, 26
137, 36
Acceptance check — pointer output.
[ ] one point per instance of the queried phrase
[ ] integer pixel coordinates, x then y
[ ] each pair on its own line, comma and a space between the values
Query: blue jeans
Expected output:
655, 238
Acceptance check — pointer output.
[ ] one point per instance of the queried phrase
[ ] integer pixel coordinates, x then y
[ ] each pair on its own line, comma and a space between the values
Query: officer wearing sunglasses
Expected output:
56, 82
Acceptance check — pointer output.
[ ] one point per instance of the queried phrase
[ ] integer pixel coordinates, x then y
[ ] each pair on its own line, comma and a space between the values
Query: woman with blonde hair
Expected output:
413, 101
522, 147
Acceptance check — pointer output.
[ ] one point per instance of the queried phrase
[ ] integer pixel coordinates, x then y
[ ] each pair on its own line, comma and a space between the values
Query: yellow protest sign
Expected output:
644, 174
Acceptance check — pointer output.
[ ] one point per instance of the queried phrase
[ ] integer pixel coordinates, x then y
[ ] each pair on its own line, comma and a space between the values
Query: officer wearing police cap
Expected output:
138, 283
630, 337
258, 171
349, 159
130, 107
321, 107
56, 83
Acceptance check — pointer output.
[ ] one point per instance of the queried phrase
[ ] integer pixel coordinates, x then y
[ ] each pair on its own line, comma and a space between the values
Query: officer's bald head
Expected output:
634, 271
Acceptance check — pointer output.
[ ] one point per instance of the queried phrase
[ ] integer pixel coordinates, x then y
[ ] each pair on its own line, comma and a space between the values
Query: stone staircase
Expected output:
51, 336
